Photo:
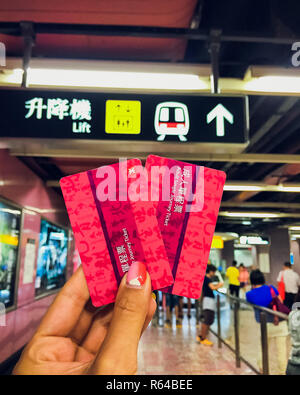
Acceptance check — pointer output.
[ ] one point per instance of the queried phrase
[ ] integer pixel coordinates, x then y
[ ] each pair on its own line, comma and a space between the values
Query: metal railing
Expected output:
263, 315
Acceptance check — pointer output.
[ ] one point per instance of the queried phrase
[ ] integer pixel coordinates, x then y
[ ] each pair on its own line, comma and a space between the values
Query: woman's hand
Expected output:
76, 338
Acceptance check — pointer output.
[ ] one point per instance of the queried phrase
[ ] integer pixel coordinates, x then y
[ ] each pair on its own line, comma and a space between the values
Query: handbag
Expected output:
277, 305
281, 288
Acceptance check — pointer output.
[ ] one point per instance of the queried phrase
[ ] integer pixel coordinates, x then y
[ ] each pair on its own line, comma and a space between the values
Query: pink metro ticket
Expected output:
187, 199
111, 231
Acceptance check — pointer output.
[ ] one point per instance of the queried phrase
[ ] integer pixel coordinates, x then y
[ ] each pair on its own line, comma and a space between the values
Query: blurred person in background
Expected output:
291, 281
261, 295
172, 302
208, 304
155, 319
181, 303
243, 278
233, 273
293, 367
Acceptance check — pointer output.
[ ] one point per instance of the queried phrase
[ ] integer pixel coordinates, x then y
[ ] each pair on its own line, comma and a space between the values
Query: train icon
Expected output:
171, 119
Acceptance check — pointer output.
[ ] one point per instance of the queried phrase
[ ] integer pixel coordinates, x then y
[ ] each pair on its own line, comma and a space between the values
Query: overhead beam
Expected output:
273, 123
101, 149
265, 128
242, 158
13, 28
271, 180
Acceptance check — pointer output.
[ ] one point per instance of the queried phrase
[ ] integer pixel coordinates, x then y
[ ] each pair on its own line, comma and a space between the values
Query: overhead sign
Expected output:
253, 240
116, 116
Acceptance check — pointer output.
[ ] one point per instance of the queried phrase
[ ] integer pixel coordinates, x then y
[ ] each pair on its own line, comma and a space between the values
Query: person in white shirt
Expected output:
291, 281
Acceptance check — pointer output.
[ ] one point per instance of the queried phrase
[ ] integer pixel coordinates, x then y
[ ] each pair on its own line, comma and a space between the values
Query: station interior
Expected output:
236, 66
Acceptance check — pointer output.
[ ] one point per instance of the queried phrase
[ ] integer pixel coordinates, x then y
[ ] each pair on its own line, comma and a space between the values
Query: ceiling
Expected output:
267, 27
272, 20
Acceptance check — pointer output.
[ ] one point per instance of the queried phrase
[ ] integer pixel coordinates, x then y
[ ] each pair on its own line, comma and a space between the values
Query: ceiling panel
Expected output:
162, 13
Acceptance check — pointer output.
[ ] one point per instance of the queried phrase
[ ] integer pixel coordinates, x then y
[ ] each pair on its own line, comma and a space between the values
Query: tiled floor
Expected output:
175, 351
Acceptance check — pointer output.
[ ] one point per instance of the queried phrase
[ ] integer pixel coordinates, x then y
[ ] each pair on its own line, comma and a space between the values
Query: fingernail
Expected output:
136, 275
153, 296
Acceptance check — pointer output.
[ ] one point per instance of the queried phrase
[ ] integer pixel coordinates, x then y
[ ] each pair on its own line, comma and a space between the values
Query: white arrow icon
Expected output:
220, 113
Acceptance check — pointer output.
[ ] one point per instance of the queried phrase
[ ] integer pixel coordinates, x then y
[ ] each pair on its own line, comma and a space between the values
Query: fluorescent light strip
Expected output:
282, 188
294, 228
239, 214
276, 84
110, 79
253, 188
248, 215
135, 75
261, 187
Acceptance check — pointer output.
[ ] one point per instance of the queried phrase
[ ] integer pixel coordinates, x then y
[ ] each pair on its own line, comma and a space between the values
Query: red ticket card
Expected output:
187, 198
111, 230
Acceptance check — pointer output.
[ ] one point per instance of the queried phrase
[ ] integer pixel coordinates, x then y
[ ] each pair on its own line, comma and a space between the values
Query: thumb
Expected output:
118, 353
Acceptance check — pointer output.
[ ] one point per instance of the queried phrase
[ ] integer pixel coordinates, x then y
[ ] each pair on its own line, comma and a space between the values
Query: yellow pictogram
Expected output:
123, 116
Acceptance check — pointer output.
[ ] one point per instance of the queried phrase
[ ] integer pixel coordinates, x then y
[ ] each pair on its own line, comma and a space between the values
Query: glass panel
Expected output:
227, 321
52, 258
279, 344
250, 337
9, 243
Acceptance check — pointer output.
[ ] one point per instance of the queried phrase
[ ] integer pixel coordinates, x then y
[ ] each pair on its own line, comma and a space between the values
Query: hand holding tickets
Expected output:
76, 338
163, 215
136, 229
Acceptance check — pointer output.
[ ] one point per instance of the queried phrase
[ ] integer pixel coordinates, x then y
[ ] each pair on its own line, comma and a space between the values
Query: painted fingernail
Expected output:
153, 296
136, 275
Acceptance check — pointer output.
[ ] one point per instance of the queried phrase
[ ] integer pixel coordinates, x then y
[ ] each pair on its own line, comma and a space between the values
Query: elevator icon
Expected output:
123, 117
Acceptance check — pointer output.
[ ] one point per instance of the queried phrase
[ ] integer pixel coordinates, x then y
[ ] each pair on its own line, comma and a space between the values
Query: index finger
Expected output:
65, 311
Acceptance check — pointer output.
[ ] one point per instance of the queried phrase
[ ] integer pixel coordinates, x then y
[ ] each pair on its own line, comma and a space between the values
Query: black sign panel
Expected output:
119, 116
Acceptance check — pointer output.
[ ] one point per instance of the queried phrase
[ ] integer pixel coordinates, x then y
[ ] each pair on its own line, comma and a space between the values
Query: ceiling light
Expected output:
250, 215
275, 84
261, 187
254, 188
110, 79
264, 215
253, 240
294, 228
283, 188
227, 235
